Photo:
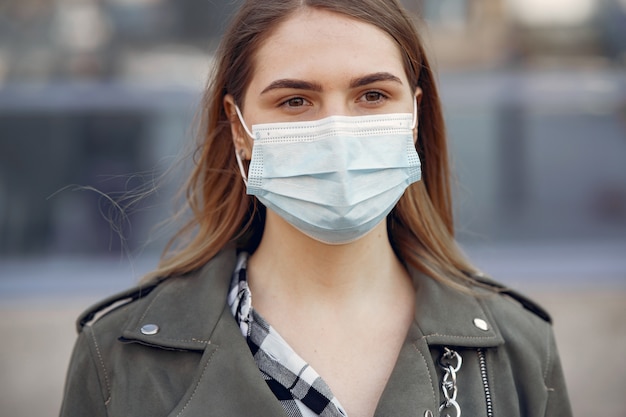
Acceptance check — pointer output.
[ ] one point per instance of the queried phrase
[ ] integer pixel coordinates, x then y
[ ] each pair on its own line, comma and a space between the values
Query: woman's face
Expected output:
318, 64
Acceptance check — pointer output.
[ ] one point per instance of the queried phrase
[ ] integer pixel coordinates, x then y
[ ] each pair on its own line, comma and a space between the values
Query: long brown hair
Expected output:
420, 227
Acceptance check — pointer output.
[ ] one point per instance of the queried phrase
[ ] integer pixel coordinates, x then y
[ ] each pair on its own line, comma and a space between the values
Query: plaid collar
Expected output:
300, 390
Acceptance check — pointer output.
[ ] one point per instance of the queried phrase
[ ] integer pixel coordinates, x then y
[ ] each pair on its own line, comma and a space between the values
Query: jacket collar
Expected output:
187, 311
450, 317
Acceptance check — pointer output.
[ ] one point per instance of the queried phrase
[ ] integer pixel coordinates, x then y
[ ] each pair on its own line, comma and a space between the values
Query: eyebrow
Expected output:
312, 86
294, 84
372, 78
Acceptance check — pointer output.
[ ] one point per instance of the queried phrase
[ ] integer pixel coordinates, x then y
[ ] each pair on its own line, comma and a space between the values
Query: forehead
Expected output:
318, 43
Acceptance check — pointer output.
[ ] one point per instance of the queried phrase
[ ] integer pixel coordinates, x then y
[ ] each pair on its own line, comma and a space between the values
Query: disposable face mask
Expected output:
336, 178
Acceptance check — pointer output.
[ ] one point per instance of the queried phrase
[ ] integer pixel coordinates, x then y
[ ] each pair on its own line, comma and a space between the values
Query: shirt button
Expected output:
149, 329
481, 324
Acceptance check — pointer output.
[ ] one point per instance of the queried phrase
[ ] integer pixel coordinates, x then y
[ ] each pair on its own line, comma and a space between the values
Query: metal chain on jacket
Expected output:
450, 361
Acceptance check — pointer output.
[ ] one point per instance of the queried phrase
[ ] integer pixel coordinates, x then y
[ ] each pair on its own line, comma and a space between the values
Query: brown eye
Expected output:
373, 96
295, 102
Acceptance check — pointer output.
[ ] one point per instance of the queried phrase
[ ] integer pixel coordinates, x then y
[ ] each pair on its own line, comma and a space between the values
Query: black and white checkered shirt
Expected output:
300, 390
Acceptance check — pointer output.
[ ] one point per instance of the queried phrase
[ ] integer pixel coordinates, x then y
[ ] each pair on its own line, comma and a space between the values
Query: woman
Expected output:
319, 274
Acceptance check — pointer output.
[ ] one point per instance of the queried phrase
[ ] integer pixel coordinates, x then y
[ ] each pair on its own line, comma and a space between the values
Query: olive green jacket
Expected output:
172, 348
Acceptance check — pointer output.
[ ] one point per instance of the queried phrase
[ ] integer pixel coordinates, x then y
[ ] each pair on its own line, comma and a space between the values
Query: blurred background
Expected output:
97, 98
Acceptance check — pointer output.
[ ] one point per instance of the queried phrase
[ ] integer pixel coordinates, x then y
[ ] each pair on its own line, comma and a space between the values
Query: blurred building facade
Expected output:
52, 40
101, 93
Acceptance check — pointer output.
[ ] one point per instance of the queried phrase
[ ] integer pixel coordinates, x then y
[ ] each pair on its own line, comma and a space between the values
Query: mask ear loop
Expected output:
245, 127
414, 124
237, 154
241, 169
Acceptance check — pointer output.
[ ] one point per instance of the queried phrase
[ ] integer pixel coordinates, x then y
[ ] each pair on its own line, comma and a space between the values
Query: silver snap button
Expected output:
149, 329
481, 324
428, 413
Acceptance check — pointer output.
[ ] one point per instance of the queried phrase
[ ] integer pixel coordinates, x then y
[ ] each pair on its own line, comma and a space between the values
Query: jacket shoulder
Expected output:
113, 302
524, 325
521, 299
174, 296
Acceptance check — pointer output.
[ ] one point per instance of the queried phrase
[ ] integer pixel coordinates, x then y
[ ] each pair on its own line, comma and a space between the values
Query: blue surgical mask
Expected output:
336, 178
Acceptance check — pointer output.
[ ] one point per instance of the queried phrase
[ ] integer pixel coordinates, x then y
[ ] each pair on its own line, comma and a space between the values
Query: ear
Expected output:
241, 141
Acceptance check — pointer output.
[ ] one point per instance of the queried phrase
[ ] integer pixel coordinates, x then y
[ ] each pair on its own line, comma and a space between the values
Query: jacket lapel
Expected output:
192, 314
411, 389
443, 317
228, 382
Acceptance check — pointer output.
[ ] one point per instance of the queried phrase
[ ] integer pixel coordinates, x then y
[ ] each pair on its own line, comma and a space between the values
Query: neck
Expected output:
287, 260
